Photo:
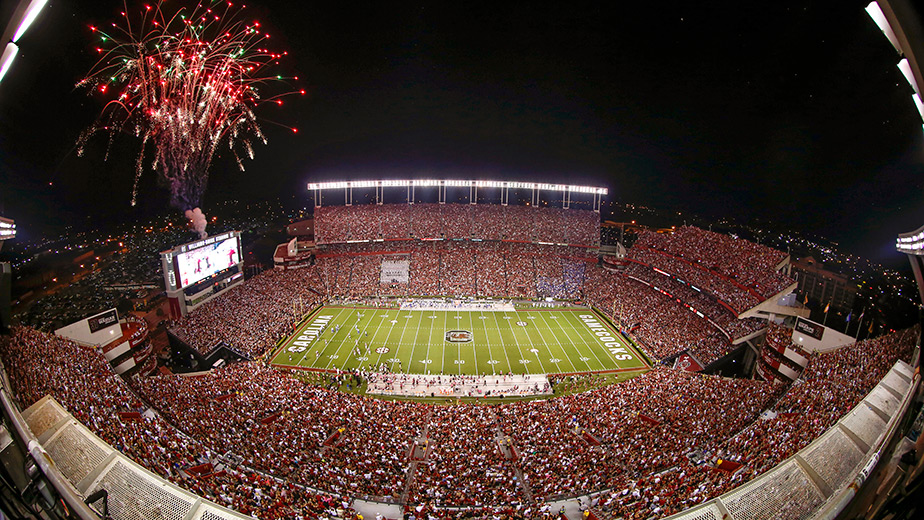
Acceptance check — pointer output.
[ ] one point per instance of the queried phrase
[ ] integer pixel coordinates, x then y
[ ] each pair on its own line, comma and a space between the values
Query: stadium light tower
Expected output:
443, 184
7, 230
26, 13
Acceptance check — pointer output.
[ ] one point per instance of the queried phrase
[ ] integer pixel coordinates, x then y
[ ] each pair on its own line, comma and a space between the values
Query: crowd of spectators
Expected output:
634, 439
254, 315
80, 379
663, 325
657, 309
456, 268
750, 265
464, 465
724, 317
318, 437
777, 340
603, 438
668, 314
831, 385
337, 224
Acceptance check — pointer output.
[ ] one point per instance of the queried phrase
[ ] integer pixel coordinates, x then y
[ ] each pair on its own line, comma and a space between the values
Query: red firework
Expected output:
186, 82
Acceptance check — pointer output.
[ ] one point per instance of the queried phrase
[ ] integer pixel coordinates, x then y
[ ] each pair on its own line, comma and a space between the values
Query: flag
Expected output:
828, 306
806, 300
849, 314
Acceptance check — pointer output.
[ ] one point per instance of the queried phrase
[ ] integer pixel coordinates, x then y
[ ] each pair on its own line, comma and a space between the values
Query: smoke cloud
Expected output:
198, 221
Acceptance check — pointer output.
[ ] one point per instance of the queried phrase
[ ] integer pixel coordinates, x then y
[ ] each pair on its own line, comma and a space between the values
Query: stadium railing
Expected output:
91, 465
822, 478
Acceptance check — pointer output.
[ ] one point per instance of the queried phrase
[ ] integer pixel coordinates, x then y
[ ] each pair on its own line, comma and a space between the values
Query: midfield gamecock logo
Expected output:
458, 336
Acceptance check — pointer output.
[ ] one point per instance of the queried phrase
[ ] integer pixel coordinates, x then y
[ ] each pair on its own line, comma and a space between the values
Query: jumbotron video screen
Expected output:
200, 263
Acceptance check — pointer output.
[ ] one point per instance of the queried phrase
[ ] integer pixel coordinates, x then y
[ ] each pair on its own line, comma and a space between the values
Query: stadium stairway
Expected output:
412, 467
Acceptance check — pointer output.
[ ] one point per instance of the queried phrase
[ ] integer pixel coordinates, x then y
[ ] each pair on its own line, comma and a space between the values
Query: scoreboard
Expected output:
197, 271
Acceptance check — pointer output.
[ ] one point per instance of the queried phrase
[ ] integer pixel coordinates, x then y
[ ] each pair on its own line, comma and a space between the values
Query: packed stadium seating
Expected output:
737, 271
335, 224
254, 315
643, 297
632, 438
81, 380
706, 303
300, 446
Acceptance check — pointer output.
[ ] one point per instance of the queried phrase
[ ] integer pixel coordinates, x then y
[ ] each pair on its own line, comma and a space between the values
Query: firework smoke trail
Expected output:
185, 83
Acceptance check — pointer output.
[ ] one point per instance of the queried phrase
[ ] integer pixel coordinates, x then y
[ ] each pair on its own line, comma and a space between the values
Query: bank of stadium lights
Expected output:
911, 243
875, 12
905, 66
7, 229
455, 184
25, 20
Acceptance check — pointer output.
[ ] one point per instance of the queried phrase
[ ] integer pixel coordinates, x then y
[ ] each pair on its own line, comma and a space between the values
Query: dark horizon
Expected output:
792, 113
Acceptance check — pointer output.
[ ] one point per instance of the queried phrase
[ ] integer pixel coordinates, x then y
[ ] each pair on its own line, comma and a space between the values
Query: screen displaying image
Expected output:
203, 262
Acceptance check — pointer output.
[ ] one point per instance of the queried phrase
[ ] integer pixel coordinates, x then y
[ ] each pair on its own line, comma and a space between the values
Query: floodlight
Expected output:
919, 104
9, 54
7, 229
457, 184
875, 12
905, 67
31, 12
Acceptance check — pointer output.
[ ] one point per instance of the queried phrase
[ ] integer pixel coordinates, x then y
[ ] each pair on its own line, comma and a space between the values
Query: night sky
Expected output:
792, 112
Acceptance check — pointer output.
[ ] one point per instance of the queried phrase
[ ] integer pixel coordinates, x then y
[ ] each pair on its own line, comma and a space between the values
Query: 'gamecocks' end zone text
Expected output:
606, 337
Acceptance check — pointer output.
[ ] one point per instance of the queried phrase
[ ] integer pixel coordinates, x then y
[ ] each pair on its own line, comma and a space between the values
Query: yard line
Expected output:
488, 341
359, 339
388, 341
373, 347
541, 366
562, 347
399, 319
570, 339
445, 348
471, 328
458, 352
334, 341
417, 334
504, 345
614, 332
591, 347
520, 350
372, 344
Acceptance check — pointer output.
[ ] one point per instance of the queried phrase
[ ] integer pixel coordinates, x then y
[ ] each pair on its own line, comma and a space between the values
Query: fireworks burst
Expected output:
186, 83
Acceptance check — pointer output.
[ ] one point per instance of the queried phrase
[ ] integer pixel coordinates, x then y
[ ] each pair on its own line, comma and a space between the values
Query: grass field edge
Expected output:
282, 343
612, 326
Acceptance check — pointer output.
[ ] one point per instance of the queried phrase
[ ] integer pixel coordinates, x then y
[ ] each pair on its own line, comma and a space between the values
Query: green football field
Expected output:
530, 341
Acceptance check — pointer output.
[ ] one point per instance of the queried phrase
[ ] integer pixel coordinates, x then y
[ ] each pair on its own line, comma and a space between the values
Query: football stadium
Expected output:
437, 348
455, 323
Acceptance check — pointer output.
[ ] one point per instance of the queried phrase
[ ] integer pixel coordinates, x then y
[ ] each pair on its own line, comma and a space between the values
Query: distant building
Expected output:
823, 286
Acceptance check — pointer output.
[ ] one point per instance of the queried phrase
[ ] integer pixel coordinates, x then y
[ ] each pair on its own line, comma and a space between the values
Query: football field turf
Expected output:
533, 341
